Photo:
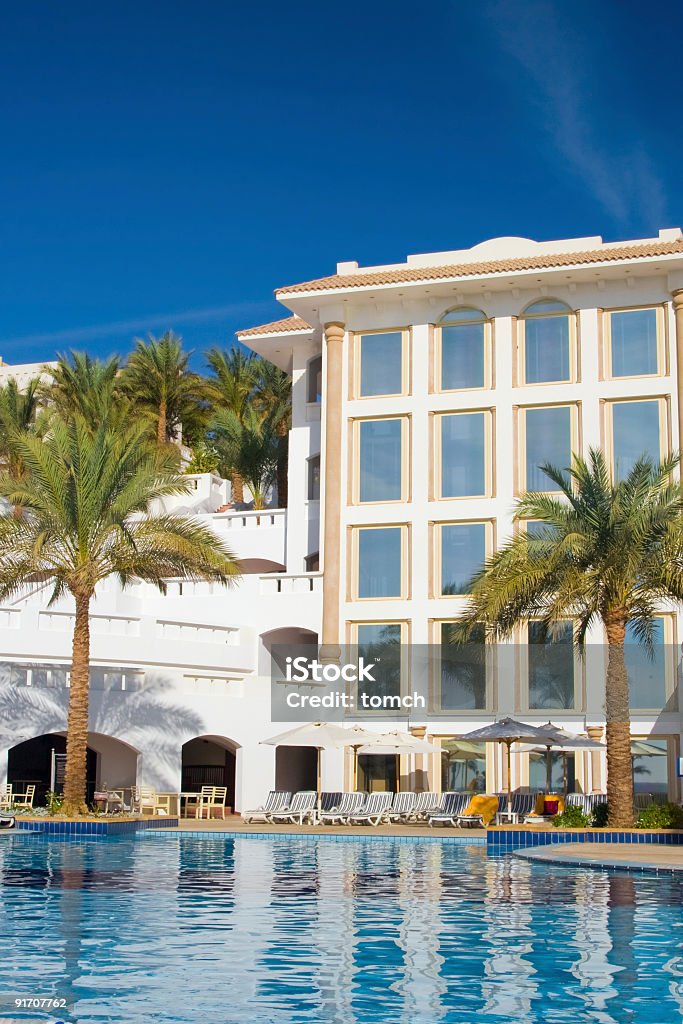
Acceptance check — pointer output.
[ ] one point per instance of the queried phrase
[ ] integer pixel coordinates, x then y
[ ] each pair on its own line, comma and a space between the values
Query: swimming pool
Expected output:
301, 931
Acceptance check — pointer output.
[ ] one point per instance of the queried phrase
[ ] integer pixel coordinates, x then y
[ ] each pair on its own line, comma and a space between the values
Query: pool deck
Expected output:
629, 857
234, 823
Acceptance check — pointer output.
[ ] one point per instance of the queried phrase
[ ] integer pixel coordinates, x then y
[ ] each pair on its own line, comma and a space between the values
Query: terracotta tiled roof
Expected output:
289, 324
463, 270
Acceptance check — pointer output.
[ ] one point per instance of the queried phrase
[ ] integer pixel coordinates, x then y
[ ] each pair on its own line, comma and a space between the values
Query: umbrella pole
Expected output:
548, 770
398, 773
508, 745
319, 749
354, 780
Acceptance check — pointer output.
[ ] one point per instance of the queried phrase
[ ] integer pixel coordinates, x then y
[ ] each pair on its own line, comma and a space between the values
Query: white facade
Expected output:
189, 664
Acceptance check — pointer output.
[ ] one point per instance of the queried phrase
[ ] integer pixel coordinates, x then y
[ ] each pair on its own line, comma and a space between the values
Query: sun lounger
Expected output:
6, 820
452, 804
329, 801
548, 805
349, 803
586, 801
373, 811
425, 804
402, 807
302, 808
481, 811
277, 800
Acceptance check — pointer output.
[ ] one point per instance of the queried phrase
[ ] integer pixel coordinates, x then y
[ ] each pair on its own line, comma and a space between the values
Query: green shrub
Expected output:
600, 816
204, 459
53, 802
571, 817
660, 816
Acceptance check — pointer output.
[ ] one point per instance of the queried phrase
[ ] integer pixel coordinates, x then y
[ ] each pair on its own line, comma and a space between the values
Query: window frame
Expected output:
520, 346
436, 560
355, 457
353, 545
356, 357
352, 627
310, 461
437, 416
669, 666
575, 443
662, 342
663, 402
489, 356
309, 401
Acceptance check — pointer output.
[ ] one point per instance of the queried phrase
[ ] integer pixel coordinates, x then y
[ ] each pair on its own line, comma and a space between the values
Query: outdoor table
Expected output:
168, 802
506, 818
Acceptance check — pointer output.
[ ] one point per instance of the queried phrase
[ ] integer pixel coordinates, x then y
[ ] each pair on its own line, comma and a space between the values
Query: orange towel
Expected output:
486, 806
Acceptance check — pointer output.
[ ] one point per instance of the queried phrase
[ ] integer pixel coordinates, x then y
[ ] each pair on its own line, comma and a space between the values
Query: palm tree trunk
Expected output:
618, 728
77, 725
161, 424
237, 488
281, 475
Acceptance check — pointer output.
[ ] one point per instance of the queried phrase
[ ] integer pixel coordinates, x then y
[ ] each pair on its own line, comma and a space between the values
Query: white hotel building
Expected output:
426, 395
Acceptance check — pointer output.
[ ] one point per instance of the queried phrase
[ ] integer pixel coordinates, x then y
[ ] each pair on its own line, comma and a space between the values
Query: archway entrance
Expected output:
31, 764
209, 761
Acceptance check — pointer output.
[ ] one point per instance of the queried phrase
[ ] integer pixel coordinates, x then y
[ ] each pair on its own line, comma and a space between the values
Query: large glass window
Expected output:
547, 343
634, 345
551, 666
381, 641
462, 672
463, 551
548, 440
650, 759
380, 469
314, 478
646, 669
463, 454
562, 770
314, 376
381, 364
380, 561
463, 766
463, 350
636, 431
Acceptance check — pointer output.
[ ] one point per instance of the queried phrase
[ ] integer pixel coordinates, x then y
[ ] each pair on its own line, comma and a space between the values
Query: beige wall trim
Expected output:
678, 314
334, 342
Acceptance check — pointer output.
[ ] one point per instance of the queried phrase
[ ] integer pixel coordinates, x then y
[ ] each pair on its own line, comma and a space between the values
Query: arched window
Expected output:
547, 343
463, 353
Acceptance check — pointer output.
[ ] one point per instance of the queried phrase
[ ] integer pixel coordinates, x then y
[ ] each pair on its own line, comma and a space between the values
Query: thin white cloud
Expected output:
72, 337
565, 71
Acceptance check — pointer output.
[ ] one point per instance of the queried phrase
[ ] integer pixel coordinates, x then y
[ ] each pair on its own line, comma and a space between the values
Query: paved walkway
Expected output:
234, 823
633, 857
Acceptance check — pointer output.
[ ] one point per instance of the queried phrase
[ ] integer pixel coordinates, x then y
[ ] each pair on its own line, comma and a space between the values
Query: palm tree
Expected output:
607, 551
249, 447
157, 378
19, 409
85, 498
273, 394
232, 389
91, 387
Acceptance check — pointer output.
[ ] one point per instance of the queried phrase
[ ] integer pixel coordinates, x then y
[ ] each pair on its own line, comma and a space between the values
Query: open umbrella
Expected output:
320, 735
563, 740
398, 743
508, 731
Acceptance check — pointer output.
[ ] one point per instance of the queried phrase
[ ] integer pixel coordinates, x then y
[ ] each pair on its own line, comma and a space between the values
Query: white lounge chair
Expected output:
425, 804
374, 810
452, 804
348, 804
7, 821
302, 808
402, 806
276, 800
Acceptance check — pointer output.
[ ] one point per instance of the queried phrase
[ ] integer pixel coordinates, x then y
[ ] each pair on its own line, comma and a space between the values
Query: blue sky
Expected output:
168, 164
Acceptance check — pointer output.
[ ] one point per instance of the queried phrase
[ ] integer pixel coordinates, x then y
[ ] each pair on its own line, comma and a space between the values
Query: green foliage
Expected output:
250, 447
205, 459
53, 802
572, 817
660, 816
600, 815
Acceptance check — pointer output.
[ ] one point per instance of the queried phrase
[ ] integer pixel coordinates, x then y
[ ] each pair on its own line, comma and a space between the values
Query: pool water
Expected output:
170, 929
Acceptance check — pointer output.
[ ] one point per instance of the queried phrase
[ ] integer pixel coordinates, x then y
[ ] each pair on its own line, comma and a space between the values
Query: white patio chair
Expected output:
301, 808
276, 800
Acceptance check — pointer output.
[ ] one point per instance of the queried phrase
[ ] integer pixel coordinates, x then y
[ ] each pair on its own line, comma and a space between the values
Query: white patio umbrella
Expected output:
397, 743
508, 731
320, 735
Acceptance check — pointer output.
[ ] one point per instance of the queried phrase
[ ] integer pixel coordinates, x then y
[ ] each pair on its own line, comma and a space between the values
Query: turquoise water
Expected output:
287, 931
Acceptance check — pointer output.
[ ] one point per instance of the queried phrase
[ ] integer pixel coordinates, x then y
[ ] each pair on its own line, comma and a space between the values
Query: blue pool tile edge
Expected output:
598, 864
94, 828
507, 840
328, 837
